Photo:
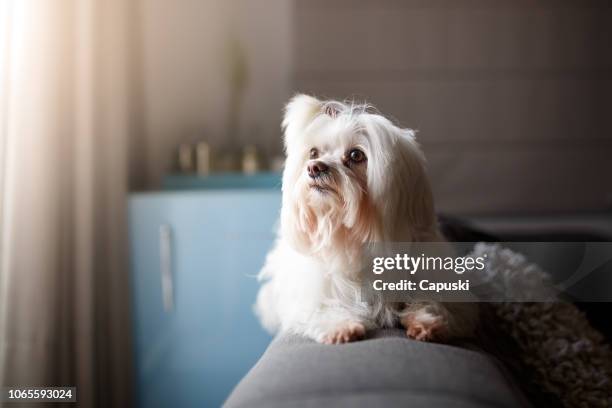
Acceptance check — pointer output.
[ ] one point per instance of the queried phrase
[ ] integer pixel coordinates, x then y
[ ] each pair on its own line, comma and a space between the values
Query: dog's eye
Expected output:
314, 153
357, 156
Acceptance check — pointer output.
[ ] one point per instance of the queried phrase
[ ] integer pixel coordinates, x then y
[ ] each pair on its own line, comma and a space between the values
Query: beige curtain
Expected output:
64, 99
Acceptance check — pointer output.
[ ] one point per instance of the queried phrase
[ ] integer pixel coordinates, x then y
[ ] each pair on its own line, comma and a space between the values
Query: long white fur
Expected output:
310, 278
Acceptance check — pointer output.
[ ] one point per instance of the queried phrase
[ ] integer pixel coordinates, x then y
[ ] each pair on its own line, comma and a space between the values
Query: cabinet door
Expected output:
194, 342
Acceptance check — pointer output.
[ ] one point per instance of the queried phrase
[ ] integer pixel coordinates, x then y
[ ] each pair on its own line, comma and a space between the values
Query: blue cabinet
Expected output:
194, 257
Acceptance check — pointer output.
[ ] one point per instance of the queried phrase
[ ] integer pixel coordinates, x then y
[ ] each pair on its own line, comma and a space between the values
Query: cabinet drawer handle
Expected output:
165, 264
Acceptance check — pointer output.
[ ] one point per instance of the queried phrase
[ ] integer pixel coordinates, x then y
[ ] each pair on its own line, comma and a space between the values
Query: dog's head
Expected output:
351, 177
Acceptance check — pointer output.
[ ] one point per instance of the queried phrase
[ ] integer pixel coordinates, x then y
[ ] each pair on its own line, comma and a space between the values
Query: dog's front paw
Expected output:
424, 326
344, 333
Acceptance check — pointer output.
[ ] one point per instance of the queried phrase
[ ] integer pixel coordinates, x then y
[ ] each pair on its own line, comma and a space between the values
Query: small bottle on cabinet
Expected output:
250, 161
185, 158
203, 159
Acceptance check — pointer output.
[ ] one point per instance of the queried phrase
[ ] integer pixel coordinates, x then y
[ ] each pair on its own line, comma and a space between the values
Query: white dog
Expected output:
351, 177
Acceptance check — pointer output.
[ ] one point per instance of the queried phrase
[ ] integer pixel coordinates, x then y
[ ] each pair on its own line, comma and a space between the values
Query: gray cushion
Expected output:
387, 369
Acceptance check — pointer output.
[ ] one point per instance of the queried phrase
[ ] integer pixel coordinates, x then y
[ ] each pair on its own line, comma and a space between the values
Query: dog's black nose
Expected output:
317, 168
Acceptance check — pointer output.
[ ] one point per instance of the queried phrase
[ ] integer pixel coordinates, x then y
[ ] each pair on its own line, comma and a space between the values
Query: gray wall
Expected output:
512, 99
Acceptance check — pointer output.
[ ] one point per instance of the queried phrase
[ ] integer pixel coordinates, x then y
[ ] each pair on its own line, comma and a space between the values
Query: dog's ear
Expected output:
299, 112
398, 183
419, 208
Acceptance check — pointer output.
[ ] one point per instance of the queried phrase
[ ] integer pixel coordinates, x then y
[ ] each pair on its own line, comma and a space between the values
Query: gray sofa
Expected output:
385, 370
